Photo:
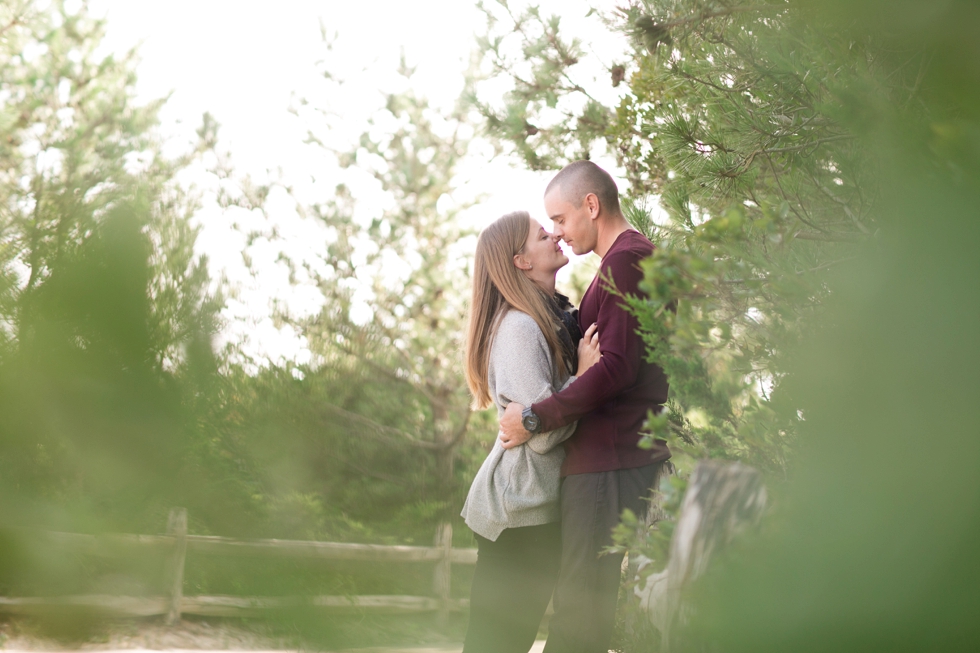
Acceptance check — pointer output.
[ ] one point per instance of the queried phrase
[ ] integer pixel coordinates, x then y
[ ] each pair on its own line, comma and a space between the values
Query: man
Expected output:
604, 471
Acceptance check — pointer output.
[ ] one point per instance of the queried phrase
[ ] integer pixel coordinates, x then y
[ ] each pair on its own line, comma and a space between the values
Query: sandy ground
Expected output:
190, 637
134, 636
537, 648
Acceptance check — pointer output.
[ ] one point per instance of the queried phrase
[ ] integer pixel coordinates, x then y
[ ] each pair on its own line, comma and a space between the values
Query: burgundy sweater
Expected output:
612, 398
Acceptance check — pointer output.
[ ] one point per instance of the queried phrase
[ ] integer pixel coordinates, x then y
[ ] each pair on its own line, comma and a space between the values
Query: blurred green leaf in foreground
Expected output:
875, 548
106, 317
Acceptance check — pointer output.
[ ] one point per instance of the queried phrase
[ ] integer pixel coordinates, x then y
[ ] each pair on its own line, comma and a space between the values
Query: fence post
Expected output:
440, 578
177, 526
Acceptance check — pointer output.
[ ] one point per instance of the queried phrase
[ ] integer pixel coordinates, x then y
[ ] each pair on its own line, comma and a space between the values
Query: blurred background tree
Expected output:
367, 437
395, 311
106, 310
100, 268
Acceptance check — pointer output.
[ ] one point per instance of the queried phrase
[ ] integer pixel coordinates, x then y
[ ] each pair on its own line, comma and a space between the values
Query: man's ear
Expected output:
592, 201
521, 263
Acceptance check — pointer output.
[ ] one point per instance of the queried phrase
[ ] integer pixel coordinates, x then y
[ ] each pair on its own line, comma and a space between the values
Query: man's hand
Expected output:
512, 432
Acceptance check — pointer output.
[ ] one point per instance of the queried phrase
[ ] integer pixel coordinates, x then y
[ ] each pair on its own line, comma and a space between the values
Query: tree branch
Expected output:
16, 20
386, 371
847, 209
828, 237
778, 150
779, 184
460, 432
708, 15
372, 473
382, 432
803, 146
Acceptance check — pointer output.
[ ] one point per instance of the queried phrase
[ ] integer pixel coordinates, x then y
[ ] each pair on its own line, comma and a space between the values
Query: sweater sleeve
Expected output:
522, 371
619, 343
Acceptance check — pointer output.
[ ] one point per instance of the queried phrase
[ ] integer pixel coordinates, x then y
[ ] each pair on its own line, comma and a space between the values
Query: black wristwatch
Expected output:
531, 422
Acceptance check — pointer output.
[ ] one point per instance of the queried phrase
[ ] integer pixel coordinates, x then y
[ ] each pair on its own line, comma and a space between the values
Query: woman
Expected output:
520, 347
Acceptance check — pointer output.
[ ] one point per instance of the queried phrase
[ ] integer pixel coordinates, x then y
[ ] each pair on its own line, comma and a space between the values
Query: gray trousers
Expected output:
588, 583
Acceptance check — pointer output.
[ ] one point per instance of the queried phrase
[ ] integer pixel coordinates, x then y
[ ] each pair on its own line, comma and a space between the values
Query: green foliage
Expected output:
373, 440
412, 264
817, 163
75, 144
733, 121
735, 125
530, 50
106, 319
879, 525
107, 323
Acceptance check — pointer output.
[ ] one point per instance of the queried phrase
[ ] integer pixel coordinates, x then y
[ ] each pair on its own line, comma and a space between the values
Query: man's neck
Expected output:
609, 231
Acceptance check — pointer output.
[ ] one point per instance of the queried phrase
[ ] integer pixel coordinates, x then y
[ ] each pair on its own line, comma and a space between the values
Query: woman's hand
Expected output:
588, 350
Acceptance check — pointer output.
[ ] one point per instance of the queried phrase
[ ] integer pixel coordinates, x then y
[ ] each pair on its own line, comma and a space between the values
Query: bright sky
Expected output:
245, 62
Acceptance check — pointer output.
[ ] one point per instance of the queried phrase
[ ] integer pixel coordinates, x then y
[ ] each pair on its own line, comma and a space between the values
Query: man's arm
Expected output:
622, 354
522, 372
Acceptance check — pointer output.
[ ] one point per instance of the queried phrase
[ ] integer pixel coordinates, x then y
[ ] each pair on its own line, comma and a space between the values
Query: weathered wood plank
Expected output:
311, 549
237, 606
463, 556
106, 543
443, 572
388, 603
215, 545
138, 606
177, 528
224, 606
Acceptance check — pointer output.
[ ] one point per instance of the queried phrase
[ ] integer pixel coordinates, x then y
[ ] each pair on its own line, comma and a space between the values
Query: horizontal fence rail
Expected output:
215, 545
226, 606
177, 544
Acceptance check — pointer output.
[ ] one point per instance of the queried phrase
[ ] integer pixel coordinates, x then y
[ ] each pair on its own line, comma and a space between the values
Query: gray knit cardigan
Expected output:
519, 486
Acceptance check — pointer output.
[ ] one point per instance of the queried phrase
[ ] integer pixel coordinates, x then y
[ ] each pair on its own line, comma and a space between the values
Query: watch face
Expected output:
531, 423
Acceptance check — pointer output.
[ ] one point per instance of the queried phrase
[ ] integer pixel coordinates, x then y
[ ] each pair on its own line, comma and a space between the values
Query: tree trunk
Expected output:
722, 499
445, 455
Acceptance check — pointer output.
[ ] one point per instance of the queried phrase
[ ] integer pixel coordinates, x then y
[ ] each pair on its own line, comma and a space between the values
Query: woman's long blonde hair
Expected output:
499, 286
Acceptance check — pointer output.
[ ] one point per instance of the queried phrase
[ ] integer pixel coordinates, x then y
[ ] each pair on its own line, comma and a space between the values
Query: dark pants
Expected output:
588, 586
512, 584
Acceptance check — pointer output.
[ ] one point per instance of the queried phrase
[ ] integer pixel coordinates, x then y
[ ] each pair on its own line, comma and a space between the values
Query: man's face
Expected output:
575, 226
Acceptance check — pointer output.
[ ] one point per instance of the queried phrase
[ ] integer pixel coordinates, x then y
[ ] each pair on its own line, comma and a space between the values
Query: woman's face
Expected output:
541, 252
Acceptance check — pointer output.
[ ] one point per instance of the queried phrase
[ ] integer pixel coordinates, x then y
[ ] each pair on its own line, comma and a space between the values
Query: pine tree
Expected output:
381, 417
732, 118
818, 162
106, 317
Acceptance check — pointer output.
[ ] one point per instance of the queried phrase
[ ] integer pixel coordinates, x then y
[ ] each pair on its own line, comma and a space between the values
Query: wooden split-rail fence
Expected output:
179, 543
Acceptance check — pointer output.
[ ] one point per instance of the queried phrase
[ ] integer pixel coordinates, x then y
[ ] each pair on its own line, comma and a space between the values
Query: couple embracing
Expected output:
572, 391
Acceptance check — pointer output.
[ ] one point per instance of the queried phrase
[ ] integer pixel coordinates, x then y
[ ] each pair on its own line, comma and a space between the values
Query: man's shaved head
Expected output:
579, 178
